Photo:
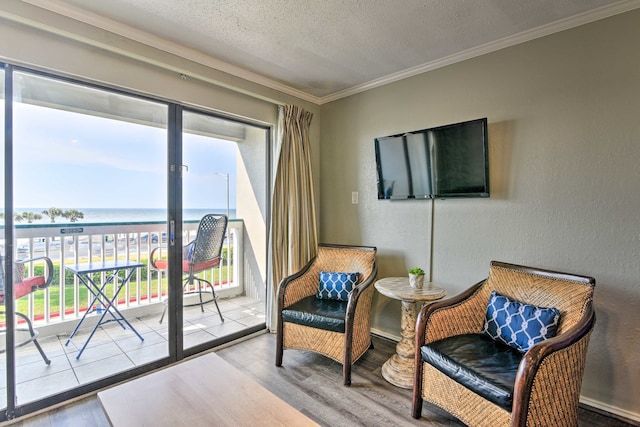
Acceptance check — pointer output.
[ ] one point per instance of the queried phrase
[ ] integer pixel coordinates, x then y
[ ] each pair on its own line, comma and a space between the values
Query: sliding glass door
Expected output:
216, 156
104, 191
3, 250
89, 190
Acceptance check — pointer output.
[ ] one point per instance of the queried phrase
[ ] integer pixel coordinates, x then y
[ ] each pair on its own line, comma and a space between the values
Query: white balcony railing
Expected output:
67, 299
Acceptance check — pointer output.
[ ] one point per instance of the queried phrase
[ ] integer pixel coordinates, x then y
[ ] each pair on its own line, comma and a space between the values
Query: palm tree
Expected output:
29, 216
52, 213
73, 215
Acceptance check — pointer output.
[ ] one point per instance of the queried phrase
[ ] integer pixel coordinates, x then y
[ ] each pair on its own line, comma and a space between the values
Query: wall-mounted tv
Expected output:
441, 162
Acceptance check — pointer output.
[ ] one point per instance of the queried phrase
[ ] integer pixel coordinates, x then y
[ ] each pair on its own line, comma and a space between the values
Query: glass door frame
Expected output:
176, 351
177, 169
11, 408
9, 308
174, 233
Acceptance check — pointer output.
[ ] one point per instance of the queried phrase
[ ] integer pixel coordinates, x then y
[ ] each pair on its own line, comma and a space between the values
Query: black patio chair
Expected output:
203, 253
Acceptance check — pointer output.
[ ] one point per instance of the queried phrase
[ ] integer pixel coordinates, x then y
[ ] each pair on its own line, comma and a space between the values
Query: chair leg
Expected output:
279, 338
215, 301
189, 280
416, 401
213, 296
200, 295
416, 407
44, 356
164, 311
279, 350
348, 358
346, 374
34, 334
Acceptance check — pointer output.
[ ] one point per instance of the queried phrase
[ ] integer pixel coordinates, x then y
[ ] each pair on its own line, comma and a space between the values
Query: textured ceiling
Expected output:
324, 49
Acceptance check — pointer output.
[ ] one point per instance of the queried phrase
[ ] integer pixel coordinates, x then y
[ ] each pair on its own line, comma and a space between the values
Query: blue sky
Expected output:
71, 160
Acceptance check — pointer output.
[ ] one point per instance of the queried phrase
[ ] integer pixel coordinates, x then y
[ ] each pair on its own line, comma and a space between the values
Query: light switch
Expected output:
354, 197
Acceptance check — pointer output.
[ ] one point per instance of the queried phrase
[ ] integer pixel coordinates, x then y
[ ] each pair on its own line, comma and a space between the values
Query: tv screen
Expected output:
403, 167
441, 162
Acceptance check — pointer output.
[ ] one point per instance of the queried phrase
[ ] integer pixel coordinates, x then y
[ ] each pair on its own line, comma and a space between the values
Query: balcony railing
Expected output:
66, 299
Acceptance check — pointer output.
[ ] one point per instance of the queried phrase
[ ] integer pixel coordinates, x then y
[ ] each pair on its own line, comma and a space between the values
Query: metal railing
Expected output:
66, 299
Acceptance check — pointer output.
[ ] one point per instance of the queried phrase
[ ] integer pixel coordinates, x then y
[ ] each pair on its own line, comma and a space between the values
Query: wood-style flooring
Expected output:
313, 385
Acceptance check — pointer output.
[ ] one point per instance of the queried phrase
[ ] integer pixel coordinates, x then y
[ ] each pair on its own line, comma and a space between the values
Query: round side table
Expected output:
399, 369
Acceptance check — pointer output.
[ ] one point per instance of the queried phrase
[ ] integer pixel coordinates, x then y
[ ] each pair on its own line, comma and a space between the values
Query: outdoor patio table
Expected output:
101, 303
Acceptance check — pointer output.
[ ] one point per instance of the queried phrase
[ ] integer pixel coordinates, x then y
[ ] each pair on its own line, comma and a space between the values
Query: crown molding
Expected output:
214, 63
159, 43
525, 36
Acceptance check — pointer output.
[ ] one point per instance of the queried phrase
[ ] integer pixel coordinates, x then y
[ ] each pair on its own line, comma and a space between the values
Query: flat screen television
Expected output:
440, 162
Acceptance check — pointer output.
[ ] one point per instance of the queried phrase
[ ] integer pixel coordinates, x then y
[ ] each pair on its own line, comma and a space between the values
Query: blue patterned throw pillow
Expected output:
517, 324
337, 286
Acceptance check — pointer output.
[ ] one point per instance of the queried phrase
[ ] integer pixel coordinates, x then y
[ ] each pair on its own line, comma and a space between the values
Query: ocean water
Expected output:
108, 215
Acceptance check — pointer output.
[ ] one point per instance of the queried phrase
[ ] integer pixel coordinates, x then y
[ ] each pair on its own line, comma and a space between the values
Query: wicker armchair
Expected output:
339, 330
547, 377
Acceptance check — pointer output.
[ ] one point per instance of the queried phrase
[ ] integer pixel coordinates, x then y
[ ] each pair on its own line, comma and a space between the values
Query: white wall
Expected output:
564, 135
252, 206
564, 131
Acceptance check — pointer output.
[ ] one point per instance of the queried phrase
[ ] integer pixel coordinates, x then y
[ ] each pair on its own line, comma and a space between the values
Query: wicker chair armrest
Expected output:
304, 283
48, 273
451, 316
291, 284
357, 291
555, 350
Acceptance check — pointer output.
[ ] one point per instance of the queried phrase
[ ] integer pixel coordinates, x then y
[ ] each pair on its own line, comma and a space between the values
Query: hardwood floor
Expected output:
84, 412
313, 385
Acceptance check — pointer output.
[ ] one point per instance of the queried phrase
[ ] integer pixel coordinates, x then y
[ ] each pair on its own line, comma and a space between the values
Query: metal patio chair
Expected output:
201, 254
23, 286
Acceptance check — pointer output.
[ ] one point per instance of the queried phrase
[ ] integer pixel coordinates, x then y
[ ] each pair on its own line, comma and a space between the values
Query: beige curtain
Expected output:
294, 236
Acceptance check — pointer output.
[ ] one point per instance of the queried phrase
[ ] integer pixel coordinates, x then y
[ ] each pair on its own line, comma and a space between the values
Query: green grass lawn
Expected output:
54, 290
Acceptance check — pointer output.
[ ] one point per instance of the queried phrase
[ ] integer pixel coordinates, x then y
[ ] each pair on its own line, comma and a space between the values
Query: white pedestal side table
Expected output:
399, 369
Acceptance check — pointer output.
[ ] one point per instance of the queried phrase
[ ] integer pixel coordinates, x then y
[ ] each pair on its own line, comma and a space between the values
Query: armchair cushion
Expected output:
28, 285
327, 314
25, 287
336, 286
485, 366
162, 264
518, 324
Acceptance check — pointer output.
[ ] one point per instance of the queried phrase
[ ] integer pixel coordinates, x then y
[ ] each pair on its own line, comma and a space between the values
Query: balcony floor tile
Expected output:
149, 353
42, 387
113, 349
101, 368
39, 369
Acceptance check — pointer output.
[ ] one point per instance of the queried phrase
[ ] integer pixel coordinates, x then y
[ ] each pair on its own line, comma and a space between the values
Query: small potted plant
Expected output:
416, 277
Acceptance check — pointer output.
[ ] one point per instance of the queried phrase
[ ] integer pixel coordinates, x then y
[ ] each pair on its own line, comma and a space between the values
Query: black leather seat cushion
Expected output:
318, 313
476, 361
